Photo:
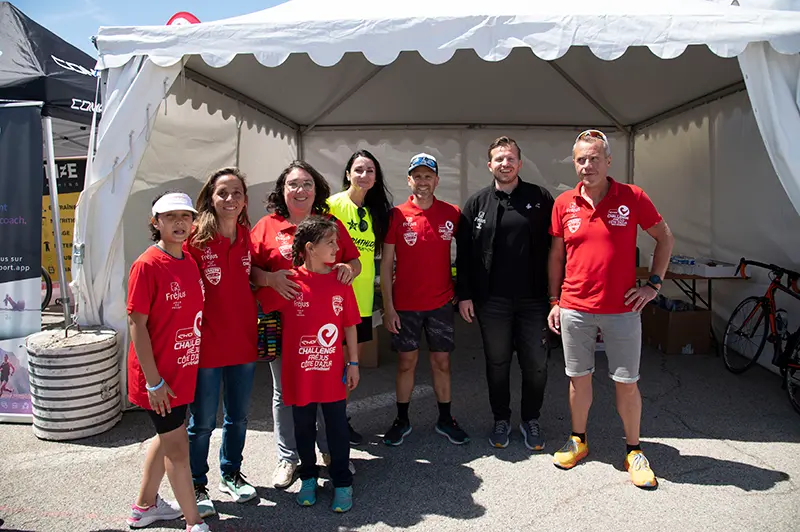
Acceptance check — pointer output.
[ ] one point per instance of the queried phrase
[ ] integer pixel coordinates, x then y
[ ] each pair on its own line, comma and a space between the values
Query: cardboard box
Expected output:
369, 355
685, 332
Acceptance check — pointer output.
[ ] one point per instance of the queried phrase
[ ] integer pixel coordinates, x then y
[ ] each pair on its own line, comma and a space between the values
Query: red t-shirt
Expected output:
423, 279
272, 239
230, 316
169, 291
601, 246
313, 332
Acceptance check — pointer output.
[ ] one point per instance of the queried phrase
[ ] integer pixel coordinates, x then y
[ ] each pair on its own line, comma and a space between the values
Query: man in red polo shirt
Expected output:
418, 294
592, 271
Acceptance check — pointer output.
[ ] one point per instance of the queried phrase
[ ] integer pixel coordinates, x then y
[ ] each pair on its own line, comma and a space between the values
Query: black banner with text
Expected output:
20, 252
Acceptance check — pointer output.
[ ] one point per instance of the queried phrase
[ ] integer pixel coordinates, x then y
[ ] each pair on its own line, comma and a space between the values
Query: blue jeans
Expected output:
236, 383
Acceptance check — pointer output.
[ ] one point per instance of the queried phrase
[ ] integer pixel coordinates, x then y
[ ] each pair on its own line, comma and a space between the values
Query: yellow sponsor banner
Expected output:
69, 179
67, 210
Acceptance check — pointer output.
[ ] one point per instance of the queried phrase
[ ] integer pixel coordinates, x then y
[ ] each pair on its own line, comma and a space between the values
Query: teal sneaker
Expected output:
308, 492
237, 487
342, 499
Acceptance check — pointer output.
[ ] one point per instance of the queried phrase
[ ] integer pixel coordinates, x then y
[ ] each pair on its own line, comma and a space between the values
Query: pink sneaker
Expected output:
161, 511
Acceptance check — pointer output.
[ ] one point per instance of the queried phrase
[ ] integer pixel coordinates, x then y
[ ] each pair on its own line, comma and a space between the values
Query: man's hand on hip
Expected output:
639, 297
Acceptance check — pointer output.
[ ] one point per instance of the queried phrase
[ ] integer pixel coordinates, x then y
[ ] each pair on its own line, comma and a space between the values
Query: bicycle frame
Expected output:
776, 284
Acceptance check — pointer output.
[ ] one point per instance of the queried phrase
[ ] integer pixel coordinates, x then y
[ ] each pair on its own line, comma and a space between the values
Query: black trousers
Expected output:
305, 433
508, 325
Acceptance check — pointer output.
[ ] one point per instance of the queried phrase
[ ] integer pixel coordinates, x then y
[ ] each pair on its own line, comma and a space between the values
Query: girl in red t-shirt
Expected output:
165, 311
314, 324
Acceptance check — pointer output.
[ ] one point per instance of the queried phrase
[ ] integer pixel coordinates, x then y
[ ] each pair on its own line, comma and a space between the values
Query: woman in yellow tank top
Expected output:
363, 207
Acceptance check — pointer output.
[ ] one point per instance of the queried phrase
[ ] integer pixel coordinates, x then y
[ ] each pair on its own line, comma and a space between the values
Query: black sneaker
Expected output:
395, 435
532, 434
450, 430
499, 435
355, 437
204, 505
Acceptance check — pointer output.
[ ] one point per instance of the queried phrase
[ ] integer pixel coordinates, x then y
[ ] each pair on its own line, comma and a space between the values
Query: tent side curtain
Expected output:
124, 135
773, 84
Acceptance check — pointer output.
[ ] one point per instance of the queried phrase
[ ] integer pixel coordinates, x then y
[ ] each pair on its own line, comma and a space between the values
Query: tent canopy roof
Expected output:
37, 65
416, 62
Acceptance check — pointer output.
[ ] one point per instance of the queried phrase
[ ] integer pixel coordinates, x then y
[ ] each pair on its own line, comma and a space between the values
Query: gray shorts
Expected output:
622, 336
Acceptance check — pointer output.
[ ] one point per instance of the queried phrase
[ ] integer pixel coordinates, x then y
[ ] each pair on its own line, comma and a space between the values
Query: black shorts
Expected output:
363, 330
171, 421
438, 326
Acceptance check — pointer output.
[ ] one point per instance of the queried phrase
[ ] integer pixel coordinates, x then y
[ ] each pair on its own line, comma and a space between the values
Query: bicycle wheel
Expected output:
791, 374
741, 345
48, 288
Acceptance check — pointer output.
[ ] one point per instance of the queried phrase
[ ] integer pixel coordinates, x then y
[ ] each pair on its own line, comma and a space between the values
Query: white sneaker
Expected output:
326, 459
284, 474
199, 527
161, 511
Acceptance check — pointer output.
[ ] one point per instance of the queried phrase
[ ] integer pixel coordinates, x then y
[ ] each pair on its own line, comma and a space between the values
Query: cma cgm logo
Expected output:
66, 65
85, 105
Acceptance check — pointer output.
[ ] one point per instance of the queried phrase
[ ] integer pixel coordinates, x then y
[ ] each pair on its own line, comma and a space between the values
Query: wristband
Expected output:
554, 301
352, 363
156, 387
654, 287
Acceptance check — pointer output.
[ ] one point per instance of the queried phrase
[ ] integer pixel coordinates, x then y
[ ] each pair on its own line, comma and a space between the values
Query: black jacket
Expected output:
475, 238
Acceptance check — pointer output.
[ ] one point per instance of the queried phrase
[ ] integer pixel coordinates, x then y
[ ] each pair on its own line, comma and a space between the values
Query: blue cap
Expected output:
423, 159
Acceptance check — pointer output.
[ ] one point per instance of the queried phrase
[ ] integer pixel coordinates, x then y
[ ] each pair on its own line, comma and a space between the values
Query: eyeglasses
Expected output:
594, 133
362, 224
308, 186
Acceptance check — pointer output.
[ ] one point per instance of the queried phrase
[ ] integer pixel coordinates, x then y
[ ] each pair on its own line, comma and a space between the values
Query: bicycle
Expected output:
760, 314
48, 288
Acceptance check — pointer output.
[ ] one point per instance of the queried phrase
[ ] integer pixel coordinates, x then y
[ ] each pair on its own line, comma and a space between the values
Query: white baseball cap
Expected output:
174, 201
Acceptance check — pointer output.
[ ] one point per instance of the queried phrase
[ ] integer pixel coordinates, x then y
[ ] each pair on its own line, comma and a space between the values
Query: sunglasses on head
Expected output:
362, 224
593, 133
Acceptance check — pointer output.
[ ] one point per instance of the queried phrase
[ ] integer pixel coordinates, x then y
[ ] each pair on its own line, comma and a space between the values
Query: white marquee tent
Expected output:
317, 79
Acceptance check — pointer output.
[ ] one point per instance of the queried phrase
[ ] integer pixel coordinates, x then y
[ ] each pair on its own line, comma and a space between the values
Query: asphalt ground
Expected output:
726, 449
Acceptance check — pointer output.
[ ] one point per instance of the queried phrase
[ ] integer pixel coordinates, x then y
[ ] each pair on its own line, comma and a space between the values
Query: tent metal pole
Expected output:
585, 94
298, 134
238, 96
51, 179
449, 126
631, 155
331, 108
718, 94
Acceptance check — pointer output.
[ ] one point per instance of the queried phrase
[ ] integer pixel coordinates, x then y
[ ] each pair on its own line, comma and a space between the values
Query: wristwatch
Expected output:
655, 282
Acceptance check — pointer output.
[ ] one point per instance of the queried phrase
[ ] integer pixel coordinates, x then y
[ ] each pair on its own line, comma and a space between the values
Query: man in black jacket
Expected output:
503, 244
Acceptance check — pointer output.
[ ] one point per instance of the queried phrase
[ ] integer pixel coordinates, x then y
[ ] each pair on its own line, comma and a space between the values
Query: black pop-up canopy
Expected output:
37, 65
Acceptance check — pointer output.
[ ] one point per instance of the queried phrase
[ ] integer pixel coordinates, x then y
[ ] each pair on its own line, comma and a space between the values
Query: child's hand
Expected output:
159, 400
352, 377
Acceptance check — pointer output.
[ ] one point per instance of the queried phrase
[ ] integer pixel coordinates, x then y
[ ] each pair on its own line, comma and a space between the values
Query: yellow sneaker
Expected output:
639, 468
571, 453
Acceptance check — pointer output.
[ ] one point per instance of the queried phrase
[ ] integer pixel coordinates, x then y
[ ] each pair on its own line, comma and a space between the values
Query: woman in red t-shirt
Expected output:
300, 191
220, 245
165, 312
314, 324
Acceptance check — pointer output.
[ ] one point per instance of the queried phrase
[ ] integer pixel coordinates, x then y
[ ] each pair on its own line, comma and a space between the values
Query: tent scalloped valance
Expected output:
726, 33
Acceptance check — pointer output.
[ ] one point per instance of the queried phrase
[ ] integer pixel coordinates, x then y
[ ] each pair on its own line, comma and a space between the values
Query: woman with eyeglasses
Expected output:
363, 207
300, 192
